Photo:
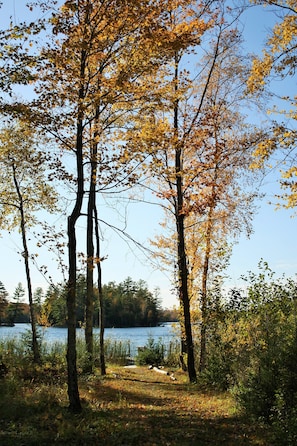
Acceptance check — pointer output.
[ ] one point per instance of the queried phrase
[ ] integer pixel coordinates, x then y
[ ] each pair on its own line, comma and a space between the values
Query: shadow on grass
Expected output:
162, 414
128, 411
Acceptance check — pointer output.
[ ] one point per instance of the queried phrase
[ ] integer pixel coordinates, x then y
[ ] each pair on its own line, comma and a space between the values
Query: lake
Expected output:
137, 336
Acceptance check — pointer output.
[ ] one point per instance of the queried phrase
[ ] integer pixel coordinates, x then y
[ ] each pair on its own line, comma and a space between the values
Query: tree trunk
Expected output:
92, 213
35, 347
73, 393
185, 300
202, 360
100, 297
181, 249
90, 267
203, 350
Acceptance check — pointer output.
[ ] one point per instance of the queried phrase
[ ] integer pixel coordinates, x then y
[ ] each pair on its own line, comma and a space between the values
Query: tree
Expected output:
100, 296
220, 194
37, 300
118, 93
278, 61
89, 73
130, 304
194, 161
87, 80
14, 309
184, 31
16, 59
23, 191
127, 304
90, 255
54, 306
3, 302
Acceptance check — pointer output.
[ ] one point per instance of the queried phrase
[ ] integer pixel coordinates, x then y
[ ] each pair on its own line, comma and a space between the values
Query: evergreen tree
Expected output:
14, 309
3, 302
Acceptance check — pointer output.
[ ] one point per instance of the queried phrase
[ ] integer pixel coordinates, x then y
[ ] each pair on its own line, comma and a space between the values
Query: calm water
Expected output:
137, 336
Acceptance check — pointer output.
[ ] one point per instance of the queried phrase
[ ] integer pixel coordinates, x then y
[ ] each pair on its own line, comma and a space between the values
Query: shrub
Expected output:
218, 370
257, 394
151, 354
285, 426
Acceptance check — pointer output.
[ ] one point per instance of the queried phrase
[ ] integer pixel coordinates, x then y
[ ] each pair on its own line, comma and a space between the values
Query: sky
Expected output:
274, 231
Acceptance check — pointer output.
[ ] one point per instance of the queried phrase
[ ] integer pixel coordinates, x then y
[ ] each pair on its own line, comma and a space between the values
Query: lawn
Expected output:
129, 406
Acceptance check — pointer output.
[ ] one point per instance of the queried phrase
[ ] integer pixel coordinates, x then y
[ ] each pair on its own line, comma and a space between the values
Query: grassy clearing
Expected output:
130, 406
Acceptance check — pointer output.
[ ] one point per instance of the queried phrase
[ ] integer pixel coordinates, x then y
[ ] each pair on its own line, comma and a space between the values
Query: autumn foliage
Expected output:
140, 100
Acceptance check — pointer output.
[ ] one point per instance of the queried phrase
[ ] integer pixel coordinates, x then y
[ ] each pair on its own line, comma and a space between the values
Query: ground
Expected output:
129, 406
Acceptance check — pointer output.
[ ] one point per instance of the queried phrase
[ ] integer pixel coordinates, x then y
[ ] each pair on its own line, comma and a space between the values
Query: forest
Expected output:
127, 304
105, 103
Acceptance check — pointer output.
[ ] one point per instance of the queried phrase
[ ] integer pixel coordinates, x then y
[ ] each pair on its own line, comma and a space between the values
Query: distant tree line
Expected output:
127, 304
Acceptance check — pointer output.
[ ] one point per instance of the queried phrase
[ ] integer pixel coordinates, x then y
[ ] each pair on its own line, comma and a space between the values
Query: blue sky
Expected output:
273, 238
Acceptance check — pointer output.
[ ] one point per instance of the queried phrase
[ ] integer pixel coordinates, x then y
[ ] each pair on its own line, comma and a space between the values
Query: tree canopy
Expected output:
278, 61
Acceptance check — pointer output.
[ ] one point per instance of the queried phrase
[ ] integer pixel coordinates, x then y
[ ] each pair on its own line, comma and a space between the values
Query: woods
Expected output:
151, 102
126, 304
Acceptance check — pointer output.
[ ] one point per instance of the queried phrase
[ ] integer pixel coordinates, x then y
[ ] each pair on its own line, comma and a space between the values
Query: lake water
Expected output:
137, 336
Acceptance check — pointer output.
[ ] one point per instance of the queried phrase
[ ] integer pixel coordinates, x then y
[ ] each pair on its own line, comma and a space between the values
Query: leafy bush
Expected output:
257, 394
151, 354
285, 426
218, 371
252, 348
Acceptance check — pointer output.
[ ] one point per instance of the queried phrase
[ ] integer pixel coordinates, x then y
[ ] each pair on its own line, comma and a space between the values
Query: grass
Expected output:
129, 406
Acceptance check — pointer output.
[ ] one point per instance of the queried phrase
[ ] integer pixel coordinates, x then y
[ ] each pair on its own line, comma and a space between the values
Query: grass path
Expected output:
130, 406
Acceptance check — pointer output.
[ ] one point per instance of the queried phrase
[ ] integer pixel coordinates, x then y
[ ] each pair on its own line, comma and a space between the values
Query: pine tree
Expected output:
3, 302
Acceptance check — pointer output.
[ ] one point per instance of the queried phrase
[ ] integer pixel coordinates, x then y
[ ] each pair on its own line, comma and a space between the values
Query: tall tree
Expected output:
165, 133
88, 77
24, 190
100, 295
220, 198
195, 158
185, 30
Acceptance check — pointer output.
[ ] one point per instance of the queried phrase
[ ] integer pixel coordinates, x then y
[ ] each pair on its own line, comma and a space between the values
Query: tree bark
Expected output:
73, 393
100, 297
205, 271
90, 265
202, 360
181, 248
92, 214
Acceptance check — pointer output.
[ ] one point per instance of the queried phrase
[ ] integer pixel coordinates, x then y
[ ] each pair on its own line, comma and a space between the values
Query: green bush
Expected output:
151, 354
264, 340
285, 426
218, 371
257, 394
252, 350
